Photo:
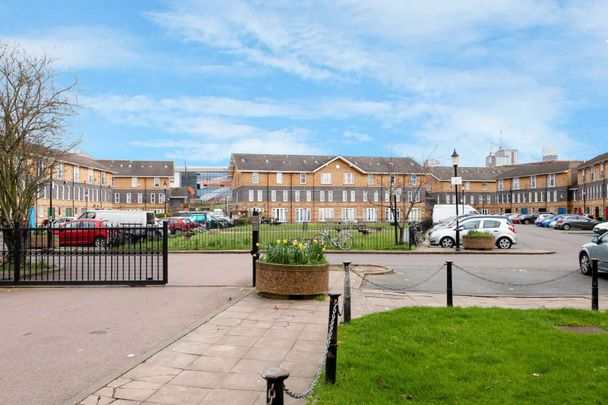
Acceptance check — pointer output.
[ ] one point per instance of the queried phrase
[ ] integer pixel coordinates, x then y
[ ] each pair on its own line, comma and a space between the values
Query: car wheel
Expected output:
585, 264
565, 227
504, 243
99, 243
447, 242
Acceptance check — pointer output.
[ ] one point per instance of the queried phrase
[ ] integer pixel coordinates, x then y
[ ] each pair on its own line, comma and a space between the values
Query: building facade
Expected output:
537, 187
295, 188
478, 187
77, 183
592, 189
141, 184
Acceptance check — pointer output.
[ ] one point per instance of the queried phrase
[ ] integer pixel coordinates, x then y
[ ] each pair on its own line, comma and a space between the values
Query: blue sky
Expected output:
196, 80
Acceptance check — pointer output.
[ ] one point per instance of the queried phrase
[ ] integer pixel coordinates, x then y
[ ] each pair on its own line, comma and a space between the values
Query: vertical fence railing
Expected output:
594, 286
84, 253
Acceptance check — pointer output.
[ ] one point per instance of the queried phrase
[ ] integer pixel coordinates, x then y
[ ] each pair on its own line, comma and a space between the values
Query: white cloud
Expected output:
356, 137
81, 47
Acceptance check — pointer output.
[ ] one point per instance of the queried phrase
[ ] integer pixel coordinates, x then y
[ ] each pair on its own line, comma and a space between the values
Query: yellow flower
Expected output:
315, 241
257, 244
278, 241
295, 242
284, 241
324, 249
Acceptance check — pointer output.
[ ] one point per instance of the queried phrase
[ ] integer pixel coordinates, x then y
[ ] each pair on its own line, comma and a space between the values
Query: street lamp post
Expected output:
455, 161
165, 184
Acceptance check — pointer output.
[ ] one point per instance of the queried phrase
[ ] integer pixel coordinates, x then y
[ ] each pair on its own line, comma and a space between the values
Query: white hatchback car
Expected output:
499, 226
601, 228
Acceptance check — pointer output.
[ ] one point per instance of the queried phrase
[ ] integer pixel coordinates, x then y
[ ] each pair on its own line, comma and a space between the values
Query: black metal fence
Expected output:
339, 236
87, 254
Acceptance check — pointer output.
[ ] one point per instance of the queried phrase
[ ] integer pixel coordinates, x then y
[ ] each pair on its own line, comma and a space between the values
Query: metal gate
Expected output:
84, 253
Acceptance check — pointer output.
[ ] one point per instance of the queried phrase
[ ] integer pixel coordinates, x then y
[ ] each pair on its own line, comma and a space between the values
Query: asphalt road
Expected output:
502, 270
57, 342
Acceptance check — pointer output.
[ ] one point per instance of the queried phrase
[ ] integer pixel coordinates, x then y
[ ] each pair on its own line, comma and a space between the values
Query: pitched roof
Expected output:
537, 168
597, 159
445, 173
310, 163
80, 159
140, 168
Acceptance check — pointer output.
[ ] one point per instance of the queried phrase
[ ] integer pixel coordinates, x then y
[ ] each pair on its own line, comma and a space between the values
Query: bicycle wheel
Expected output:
344, 241
322, 238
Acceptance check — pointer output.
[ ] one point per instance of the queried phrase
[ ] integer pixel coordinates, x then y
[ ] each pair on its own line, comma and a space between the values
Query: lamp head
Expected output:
455, 158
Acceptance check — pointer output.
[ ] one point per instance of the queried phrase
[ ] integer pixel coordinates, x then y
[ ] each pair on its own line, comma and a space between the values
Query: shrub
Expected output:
242, 221
479, 234
295, 252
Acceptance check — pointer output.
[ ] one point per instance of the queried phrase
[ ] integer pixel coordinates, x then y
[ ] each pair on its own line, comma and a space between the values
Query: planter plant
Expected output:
477, 240
293, 268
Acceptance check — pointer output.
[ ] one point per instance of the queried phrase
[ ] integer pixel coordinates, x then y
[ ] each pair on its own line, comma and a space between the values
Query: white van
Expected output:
445, 211
121, 218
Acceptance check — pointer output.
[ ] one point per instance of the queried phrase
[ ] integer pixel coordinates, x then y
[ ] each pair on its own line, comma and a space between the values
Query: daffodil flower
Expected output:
284, 241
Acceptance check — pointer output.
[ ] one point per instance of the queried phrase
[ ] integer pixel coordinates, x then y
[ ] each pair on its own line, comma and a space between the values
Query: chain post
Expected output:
347, 295
594, 287
449, 283
255, 242
332, 351
275, 385
165, 252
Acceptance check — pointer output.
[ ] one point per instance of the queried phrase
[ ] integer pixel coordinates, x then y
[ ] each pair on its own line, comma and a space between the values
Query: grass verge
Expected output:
470, 355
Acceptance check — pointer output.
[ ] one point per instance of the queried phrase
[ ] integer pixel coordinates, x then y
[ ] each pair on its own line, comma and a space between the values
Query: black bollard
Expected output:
332, 351
275, 385
594, 288
255, 241
347, 296
449, 284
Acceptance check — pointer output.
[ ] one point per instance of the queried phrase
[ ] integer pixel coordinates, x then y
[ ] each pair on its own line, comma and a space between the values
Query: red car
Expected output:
80, 232
176, 225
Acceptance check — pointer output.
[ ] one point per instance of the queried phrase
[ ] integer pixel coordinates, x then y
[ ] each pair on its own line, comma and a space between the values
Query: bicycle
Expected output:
343, 241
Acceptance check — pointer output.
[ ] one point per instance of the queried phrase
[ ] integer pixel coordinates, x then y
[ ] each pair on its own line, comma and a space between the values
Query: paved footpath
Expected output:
220, 361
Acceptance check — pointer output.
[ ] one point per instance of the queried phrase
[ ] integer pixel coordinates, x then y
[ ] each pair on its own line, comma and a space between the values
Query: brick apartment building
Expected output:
297, 188
537, 187
590, 194
140, 184
77, 182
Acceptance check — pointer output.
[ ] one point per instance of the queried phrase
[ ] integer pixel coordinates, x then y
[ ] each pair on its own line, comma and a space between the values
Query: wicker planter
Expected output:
291, 279
478, 242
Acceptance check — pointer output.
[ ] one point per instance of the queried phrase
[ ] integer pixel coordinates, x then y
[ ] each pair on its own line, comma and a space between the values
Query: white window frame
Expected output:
156, 181
140, 198
551, 180
251, 195
273, 195
152, 198
376, 196
302, 214
330, 195
516, 183
161, 198
349, 178
308, 195
90, 176
532, 181
344, 196
370, 179
260, 195
364, 196
296, 195
322, 195
128, 199
60, 171
348, 214
413, 179
370, 214
255, 177
303, 178
279, 177
500, 185
353, 195
134, 182
326, 214
325, 178
285, 195
76, 174
116, 198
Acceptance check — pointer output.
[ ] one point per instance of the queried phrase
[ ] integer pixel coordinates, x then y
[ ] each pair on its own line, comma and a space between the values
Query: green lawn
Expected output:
474, 355
378, 236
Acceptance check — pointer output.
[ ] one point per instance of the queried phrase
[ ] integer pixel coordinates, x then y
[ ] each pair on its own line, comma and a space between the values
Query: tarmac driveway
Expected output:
57, 342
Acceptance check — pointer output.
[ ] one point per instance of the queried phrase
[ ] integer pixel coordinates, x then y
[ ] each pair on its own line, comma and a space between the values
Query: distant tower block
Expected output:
550, 154
502, 157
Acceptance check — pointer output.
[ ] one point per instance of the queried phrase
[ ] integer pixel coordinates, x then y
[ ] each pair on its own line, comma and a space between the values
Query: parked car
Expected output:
176, 225
528, 218
557, 220
62, 220
500, 227
601, 228
216, 222
514, 218
542, 217
596, 249
84, 232
576, 222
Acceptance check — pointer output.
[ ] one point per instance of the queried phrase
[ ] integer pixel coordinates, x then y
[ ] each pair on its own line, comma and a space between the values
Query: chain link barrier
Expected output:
271, 395
399, 289
514, 284
315, 381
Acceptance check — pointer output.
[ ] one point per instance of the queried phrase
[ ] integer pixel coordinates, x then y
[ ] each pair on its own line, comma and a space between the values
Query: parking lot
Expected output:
501, 269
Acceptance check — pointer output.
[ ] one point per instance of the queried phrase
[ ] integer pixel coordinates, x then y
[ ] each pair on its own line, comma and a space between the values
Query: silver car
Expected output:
596, 249
499, 226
